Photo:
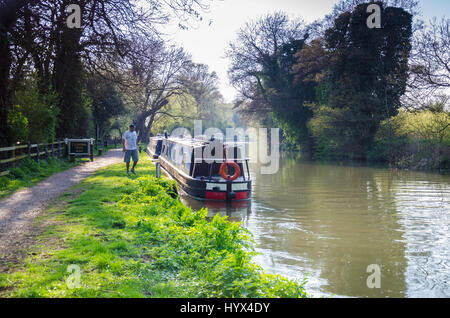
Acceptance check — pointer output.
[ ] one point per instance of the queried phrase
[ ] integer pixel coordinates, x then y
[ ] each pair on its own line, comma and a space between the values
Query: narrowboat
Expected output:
200, 174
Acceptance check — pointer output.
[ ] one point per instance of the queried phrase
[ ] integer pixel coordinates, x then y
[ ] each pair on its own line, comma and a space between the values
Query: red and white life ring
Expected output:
237, 170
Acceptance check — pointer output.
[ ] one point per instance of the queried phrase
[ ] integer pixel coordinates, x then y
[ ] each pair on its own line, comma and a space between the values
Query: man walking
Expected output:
129, 142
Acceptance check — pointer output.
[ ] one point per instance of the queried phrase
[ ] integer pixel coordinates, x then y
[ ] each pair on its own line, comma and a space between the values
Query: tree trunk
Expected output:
8, 17
143, 130
140, 126
145, 133
68, 84
5, 97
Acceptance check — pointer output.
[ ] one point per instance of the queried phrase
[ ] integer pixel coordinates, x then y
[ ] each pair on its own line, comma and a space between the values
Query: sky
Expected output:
207, 41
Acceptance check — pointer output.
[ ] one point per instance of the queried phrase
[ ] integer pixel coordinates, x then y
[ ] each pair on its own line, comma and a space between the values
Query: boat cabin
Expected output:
204, 165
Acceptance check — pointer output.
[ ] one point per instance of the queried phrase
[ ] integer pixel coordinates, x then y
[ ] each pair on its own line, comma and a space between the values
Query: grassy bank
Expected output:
415, 141
132, 237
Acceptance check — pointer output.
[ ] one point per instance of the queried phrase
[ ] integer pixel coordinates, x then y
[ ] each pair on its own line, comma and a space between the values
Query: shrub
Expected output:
413, 140
444, 163
17, 173
4, 182
30, 164
209, 259
35, 114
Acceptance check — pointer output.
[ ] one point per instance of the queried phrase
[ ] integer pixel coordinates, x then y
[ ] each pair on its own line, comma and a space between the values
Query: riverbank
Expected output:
409, 141
412, 161
119, 236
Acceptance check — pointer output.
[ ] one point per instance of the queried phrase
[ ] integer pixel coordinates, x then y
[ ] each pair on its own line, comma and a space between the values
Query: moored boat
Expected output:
199, 172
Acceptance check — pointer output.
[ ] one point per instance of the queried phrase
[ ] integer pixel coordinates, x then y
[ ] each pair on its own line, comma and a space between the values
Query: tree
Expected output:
34, 37
429, 65
410, 6
8, 16
367, 74
106, 102
152, 79
262, 58
203, 86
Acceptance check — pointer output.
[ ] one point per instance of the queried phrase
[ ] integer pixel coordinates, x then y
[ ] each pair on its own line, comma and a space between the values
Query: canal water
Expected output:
330, 222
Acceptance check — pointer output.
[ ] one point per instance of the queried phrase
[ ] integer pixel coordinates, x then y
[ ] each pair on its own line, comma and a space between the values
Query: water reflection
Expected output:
236, 211
332, 221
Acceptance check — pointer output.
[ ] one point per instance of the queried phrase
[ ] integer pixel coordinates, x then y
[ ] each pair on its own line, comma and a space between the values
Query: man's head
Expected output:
131, 127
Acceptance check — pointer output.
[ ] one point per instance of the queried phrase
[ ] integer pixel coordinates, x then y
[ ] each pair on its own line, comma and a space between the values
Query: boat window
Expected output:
203, 169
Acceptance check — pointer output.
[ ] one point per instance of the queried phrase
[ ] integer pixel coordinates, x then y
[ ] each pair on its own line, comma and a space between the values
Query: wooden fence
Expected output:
9, 156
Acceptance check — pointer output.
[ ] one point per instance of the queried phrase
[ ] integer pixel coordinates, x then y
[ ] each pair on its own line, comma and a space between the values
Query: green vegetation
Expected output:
414, 140
132, 237
58, 82
105, 149
29, 172
418, 140
335, 86
352, 75
34, 115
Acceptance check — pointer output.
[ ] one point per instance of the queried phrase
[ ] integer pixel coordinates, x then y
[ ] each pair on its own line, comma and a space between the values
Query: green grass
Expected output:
132, 237
105, 149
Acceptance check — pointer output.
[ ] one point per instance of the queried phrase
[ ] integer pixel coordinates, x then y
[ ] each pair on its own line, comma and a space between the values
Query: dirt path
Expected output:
18, 211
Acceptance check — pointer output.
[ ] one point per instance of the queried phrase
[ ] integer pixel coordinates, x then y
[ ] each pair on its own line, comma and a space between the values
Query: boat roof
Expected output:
195, 142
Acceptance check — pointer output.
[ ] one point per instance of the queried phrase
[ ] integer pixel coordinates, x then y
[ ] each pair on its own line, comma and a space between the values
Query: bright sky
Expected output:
207, 42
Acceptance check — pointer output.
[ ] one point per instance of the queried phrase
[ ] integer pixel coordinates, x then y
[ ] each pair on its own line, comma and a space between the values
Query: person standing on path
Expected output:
129, 142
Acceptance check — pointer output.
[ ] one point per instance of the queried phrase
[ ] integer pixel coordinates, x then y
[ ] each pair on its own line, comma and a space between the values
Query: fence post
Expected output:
29, 149
46, 152
53, 144
38, 156
92, 151
59, 148
13, 163
158, 170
